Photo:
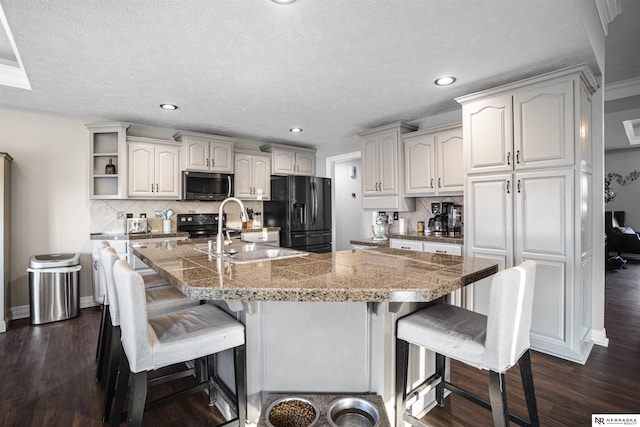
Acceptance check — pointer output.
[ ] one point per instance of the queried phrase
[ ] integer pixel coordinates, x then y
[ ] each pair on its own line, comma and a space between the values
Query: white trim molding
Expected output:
607, 10
622, 89
599, 337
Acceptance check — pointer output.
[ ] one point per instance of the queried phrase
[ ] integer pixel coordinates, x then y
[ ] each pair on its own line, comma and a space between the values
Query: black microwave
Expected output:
206, 186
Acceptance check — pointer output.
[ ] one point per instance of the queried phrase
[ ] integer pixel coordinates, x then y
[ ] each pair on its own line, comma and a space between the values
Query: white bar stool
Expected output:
159, 300
153, 343
151, 280
495, 343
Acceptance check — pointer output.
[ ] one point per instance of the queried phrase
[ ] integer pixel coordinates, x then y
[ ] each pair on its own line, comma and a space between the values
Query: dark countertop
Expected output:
356, 275
424, 237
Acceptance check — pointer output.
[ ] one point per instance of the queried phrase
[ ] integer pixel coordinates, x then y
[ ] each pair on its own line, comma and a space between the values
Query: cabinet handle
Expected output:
213, 162
157, 189
207, 162
152, 187
518, 186
518, 156
440, 252
509, 157
431, 182
439, 183
508, 183
405, 247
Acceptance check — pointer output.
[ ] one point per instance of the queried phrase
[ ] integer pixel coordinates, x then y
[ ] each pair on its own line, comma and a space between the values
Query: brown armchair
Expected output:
619, 239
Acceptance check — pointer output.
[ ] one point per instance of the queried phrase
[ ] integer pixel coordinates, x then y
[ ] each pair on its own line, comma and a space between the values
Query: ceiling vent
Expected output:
632, 127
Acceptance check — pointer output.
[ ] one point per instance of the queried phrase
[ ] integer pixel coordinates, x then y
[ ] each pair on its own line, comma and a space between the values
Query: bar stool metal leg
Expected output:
441, 363
498, 397
527, 384
402, 363
239, 360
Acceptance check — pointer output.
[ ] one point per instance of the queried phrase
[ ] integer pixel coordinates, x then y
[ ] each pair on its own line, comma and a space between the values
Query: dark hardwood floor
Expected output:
568, 393
47, 375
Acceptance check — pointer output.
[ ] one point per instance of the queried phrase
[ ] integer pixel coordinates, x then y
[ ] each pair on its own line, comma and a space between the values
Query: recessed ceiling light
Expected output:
445, 81
283, 1
295, 130
168, 107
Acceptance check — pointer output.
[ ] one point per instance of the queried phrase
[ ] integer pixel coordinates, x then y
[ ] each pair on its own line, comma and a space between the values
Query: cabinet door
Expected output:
543, 232
262, 177
543, 126
488, 135
243, 177
284, 161
167, 171
141, 171
305, 164
388, 163
450, 165
370, 166
197, 152
420, 162
221, 157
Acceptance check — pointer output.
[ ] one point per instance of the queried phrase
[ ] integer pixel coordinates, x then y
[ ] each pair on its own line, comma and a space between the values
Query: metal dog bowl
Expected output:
353, 412
291, 411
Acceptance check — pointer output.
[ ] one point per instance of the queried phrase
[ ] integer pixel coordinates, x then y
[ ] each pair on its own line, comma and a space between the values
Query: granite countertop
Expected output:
412, 235
137, 236
357, 275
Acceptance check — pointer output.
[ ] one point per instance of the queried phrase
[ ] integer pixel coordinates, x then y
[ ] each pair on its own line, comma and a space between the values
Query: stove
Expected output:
200, 225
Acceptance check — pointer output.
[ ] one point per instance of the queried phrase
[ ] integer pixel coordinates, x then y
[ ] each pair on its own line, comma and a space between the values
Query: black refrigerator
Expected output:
301, 207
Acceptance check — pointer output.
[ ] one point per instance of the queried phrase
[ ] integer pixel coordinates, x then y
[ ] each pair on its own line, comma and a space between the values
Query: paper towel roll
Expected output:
401, 226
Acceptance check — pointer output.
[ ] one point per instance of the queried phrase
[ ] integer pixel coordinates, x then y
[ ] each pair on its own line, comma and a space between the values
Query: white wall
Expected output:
351, 221
49, 193
624, 162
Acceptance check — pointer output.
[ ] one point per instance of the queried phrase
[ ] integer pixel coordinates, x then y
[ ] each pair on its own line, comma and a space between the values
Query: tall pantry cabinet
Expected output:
527, 156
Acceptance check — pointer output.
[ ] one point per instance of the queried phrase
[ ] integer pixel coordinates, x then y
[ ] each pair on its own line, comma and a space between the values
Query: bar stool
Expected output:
159, 300
152, 343
494, 343
151, 280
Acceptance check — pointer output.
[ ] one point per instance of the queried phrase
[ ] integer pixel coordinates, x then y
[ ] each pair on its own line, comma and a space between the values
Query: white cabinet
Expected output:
290, 160
252, 179
108, 146
527, 177
408, 245
433, 162
207, 153
383, 169
154, 168
529, 128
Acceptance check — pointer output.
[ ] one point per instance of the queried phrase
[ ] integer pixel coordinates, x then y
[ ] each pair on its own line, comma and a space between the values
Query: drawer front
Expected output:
409, 245
442, 248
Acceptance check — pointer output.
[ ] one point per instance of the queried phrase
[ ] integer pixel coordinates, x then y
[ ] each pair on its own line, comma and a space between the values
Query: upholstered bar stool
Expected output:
151, 280
152, 343
494, 343
159, 300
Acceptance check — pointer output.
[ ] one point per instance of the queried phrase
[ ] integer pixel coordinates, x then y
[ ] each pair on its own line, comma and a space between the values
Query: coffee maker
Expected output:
454, 220
438, 224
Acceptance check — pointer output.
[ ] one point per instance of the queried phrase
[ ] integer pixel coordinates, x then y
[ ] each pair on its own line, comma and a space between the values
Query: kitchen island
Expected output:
322, 322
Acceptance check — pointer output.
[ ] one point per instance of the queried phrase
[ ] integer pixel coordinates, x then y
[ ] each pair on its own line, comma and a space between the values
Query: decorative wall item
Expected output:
609, 194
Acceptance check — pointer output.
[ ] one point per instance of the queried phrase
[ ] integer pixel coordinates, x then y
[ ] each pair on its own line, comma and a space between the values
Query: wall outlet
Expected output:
120, 215
395, 216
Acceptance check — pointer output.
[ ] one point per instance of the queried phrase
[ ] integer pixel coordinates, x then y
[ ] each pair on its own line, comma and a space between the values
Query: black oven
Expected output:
206, 186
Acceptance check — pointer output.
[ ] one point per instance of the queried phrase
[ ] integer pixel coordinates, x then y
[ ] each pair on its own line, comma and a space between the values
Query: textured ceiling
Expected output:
254, 69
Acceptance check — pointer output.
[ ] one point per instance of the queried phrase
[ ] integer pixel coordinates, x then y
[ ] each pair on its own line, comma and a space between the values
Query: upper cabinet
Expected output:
383, 168
252, 179
291, 160
529, 128
433, 161
154, 168
207, 153
108, 160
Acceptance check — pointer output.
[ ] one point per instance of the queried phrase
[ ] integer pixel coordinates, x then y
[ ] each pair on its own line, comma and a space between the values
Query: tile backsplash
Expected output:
422, 212
104, 213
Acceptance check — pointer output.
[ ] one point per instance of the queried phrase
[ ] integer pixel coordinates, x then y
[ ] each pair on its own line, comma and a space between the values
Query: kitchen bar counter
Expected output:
138, 236
358, 275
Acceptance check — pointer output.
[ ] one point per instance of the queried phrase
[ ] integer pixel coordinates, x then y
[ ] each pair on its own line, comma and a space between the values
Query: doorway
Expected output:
350, 221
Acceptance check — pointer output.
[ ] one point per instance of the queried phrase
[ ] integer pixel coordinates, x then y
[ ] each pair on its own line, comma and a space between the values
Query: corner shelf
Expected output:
107, 141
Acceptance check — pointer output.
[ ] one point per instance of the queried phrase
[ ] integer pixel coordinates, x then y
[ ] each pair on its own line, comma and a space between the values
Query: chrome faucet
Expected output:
220, 236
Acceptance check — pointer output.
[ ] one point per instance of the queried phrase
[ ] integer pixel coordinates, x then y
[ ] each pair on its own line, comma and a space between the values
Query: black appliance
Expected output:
301, 207
199, 225
206, 186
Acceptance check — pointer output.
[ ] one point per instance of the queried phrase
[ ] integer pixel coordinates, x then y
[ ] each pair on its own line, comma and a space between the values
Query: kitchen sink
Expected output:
251, 252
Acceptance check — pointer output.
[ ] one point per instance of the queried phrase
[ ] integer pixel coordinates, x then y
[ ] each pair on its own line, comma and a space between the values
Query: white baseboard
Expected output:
599, 337
22, 311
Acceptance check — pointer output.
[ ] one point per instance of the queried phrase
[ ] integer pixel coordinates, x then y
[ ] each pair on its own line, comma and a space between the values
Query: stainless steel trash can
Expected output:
53, 287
